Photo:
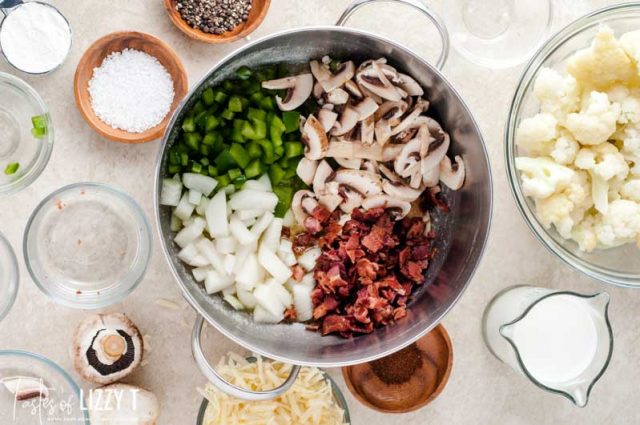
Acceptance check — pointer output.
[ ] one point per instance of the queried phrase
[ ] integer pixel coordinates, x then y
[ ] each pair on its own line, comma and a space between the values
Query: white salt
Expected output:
131, 91
35, 38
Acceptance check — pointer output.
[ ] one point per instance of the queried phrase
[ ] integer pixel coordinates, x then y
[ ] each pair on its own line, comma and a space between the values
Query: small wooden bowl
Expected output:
116, 42
422, 388
257, 14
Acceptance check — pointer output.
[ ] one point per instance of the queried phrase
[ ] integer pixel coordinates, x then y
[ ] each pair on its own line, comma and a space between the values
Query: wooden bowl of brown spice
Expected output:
217, 21
406, 380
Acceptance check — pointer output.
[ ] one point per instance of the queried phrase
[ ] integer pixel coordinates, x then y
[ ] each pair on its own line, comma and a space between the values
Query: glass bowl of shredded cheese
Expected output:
314, 399
572, 144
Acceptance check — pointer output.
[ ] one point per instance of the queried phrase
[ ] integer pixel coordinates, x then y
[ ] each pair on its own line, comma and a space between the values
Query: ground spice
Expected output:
399, 367
214, 16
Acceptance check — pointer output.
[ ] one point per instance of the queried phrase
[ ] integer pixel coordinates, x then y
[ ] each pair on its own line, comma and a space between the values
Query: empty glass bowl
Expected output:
8, 277
62, 404
21, 141
618, 266
87, 245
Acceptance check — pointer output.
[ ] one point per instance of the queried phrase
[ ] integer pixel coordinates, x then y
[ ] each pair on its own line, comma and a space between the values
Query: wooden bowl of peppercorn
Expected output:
216, 22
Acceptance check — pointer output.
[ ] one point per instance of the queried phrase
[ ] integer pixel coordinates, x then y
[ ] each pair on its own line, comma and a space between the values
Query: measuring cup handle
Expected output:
416, 4
7, 5
227, 387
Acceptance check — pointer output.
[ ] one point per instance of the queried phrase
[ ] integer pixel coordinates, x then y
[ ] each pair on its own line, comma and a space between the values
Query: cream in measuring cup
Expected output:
34, 37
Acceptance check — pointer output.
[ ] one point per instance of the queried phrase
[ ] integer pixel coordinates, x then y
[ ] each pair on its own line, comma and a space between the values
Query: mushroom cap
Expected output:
362, 181
352, 199
327, 118
331, 81
365, 108
409, 156
374, 79
400, 191
297, 204
409, 85
123, 404
323, 173
106, 348
314, 138
337, 97
367, 128
352, 163
348, 119
398, 207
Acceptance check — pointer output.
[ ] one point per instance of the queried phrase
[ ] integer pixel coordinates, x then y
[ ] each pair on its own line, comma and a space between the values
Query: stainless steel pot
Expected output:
463, 232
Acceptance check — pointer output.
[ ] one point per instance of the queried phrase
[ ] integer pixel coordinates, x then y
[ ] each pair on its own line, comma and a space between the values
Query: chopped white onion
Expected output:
302, 302
208, 250
233, 301
201, 209
271, 237
246, 297
170, 192
253, 199
184, 209
240, 232
226, 245
262, 224
203, 184
268, 299
216, 282
229, 261
194, 197
216, 214
200, 273
308, 258
189, 234
176, 223
272, 264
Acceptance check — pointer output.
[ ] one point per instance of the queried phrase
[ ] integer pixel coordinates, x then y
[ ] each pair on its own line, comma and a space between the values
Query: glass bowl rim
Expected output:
120, 291
51, 365
531, 69
14, 284
41, 159
337, 395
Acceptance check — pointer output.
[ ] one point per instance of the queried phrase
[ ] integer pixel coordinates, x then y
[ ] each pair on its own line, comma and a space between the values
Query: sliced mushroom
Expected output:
366, 108
330, 201
327, 118
314, 139
297, 204
352, 199
400, 191
374, 152
306, 169
309, 204
298, 88
337, 97
106, 348
452, 174
410, 120
397, 208
351, 163
409, 85
318, 91
331, 81
416, 178
123, 404
367, 130
393, 177
436, 151
25, 387
370, 166
391, 111
430, 177
382, 132
362, 181
369, 93
375, 80
409, 158
323, 173
348, 119
353, 89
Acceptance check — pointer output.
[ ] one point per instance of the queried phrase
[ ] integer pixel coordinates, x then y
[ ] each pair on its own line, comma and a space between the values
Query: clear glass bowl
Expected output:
62, 404
87, 245
19, 102
618, 266
337, 395
8, 277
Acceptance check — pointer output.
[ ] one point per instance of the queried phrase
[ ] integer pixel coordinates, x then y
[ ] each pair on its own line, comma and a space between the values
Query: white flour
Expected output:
35, 38
131, 91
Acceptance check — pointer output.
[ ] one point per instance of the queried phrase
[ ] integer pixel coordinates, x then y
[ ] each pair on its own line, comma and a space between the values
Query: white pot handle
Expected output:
220, 383
416, 4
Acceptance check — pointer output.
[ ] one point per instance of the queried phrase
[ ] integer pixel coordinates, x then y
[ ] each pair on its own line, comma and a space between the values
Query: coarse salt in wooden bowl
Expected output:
116, 42
257, 14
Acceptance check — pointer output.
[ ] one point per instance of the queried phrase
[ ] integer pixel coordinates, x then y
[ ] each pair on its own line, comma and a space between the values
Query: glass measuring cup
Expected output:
7, 7
561, 341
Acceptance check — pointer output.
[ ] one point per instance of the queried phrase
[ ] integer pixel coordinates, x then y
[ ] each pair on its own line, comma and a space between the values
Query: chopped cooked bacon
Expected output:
290, 314
367, 270
312, 225
321, 214
298, 272
302, 241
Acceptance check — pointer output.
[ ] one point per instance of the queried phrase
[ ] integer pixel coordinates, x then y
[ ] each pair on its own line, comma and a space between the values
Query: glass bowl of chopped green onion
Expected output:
8, 277
26, 134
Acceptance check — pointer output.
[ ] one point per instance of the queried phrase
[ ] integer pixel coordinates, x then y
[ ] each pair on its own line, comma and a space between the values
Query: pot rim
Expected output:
157, 181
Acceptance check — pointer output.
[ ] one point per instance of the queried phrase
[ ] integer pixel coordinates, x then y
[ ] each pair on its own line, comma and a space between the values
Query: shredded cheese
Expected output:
309, 401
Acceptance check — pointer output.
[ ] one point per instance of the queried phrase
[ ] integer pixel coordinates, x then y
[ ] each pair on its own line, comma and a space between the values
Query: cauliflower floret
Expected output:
565, 209
558, 95
629, 101
631, 190
536, 134
630, 42
565, 149
542, 177
604, 161
603, 63
596, 121
585, 235
621, 224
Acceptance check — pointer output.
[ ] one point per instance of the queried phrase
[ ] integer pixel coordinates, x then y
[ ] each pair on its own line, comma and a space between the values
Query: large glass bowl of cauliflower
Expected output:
573, 144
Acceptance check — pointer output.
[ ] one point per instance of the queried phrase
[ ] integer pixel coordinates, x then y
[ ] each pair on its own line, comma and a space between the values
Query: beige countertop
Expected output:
481, 389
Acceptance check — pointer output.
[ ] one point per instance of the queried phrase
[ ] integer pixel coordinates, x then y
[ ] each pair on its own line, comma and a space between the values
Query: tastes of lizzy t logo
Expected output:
32, 398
